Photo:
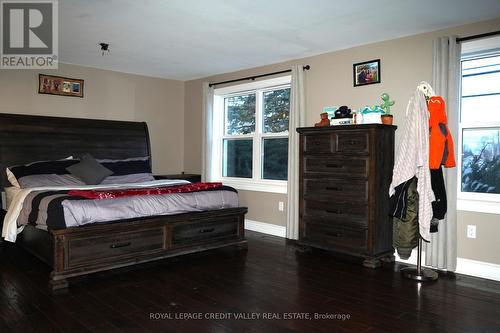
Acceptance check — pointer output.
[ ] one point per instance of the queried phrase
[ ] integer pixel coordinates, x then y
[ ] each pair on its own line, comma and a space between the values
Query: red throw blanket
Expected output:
110, 194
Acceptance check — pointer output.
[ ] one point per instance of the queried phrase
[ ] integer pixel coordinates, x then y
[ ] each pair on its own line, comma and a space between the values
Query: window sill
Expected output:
480, 206
257, 186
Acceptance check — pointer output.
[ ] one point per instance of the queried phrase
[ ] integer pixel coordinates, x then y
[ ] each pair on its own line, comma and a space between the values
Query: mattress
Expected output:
58, 207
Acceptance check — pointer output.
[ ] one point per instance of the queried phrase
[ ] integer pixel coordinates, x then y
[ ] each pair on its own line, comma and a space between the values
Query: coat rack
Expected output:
418, 273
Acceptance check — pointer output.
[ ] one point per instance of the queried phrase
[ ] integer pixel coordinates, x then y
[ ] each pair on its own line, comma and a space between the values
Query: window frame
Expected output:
472, 201
256, 183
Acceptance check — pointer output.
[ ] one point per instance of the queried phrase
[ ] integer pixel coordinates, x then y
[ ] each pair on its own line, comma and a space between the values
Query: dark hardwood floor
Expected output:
269, 279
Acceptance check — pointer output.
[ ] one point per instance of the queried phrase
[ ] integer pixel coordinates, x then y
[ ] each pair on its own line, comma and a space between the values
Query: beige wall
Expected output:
263, 206
108, 95
404, 63
485, 247
193, 126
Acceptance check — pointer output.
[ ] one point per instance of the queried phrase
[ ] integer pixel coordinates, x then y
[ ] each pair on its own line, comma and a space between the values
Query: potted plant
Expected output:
386, 106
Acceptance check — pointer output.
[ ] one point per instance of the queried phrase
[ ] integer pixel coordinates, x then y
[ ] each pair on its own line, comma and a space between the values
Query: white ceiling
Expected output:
187, 39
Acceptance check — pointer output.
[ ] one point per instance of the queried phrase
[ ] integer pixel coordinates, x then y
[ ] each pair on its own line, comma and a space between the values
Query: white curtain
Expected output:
208, 105
297, 119
441, 252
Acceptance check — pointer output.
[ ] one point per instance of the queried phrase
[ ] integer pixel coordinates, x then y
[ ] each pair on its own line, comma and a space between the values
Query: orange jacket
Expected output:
440, 141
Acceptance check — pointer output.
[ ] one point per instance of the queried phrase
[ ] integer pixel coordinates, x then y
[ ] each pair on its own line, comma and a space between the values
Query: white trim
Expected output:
412, 260
465, 266
471, 201
255, 183
479, 206
266, 228
477, 268
271, 186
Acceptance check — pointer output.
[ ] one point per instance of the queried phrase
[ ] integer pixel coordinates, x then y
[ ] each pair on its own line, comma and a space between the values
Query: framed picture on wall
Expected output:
367, 72
58, 85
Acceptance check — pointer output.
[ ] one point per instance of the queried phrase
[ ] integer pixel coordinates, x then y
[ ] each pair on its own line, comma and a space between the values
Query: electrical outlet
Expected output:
281, 206
471, 231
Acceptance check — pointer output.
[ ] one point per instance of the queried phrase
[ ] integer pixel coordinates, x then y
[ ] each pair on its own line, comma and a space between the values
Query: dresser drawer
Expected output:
336, 166
337, 238
352, 142
321, 143
335, 213
196, 232
336, 190
109, 247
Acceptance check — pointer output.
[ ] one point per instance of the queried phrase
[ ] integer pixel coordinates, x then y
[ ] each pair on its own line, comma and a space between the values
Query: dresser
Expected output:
345, 173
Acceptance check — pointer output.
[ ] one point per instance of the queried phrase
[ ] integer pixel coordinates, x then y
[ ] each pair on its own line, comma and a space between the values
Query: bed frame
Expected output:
78, 251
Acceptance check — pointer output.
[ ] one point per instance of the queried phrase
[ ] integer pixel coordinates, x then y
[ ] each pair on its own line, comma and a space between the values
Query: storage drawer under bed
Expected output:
84, 250
188, 233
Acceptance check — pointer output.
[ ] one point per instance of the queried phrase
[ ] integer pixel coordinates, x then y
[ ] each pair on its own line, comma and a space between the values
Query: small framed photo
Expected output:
367, 72
58, 85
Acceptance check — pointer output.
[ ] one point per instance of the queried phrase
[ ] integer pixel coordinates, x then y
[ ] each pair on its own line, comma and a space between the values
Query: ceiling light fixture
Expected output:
104, 48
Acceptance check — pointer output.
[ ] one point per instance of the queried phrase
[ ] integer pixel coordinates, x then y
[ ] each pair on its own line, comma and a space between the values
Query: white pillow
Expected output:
10, 193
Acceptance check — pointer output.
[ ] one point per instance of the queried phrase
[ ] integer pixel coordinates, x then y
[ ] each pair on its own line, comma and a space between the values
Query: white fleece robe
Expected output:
412, 159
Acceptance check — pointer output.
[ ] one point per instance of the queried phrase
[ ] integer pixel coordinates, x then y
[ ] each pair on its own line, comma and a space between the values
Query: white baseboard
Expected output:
465, 266
478, 268
266, 228
413, 258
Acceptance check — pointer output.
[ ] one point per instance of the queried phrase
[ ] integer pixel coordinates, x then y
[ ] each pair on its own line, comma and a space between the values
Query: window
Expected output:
251, 135
479, 134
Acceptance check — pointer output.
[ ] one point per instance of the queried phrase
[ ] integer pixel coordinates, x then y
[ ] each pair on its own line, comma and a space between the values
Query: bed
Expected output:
76, 251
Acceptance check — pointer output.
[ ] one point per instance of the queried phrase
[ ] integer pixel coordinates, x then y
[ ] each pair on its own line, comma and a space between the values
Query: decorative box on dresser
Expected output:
345, 173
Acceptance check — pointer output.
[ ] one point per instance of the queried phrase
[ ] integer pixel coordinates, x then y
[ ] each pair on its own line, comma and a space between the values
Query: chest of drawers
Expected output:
345, 172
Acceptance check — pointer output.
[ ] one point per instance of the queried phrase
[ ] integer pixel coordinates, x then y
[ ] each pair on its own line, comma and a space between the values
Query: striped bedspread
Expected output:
58, 208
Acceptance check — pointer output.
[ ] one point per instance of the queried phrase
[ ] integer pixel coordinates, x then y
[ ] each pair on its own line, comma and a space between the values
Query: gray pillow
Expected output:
49, 180
127, 179
89, 170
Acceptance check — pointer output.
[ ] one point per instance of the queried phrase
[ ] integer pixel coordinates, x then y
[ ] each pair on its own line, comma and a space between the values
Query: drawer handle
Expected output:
352, 142
202, 231
334, 234
334, 211
334, 166
117, 245
330, 188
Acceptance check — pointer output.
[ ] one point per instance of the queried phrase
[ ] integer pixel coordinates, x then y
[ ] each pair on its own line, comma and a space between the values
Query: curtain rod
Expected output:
306, 68
488, 34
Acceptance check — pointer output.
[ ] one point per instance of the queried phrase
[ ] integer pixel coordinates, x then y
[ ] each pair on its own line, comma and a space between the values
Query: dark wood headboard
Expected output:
25, 139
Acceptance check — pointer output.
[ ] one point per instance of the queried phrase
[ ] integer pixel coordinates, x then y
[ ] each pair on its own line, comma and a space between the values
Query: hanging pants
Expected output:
405, 226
